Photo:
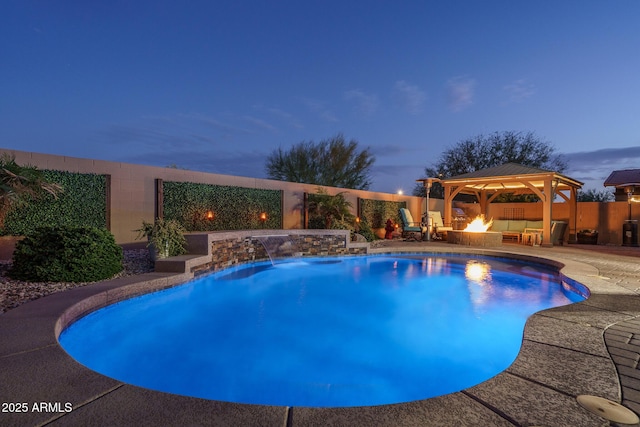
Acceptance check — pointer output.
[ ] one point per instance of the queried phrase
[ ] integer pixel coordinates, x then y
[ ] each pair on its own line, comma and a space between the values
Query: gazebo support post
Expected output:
547, 213
573, 215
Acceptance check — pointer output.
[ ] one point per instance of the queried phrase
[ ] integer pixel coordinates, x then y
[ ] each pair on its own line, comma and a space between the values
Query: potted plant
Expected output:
166, 238
588, 237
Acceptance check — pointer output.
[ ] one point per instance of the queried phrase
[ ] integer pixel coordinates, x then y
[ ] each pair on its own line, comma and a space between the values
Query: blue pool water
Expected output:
323, 332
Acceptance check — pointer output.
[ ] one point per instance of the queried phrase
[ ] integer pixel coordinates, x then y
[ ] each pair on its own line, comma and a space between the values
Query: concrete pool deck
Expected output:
591, 347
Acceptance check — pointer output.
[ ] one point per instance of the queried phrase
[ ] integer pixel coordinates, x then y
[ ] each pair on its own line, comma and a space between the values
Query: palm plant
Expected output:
335, 210
21, 184
166, 237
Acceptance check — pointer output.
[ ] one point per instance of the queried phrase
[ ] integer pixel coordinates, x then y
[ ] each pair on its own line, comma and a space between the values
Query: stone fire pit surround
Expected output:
475, 238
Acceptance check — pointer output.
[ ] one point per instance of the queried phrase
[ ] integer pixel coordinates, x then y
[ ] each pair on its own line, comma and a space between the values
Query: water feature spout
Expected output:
279, 246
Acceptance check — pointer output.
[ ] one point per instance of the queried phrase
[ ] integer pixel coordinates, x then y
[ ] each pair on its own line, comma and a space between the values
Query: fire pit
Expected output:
475, 238
476, 234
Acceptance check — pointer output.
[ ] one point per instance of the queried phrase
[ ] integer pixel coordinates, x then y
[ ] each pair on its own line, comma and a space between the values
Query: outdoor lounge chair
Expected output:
558, 229
409, 226
435, 221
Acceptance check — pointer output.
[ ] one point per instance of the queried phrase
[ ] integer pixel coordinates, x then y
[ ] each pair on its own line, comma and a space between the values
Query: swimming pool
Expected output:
323, 332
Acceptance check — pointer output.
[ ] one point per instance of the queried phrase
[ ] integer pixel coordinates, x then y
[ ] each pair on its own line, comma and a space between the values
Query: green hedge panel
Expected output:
377, 212
82, 203
234, 208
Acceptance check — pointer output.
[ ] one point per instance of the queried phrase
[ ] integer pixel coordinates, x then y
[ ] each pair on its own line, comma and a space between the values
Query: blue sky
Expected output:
218, 85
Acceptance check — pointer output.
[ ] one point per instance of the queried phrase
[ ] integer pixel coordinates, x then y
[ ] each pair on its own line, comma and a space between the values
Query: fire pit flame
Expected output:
478, 225
476, 234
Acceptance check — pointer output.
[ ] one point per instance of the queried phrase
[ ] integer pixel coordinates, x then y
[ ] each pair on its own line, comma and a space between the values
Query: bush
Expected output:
366, 231
165, 236
66, 254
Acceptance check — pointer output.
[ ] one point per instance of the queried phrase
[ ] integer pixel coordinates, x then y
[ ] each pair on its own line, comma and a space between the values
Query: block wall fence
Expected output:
607, 218
132, 192
132, 195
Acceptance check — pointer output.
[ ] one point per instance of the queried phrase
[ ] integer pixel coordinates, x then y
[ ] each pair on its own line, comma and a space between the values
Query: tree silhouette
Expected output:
485, 151
332, 162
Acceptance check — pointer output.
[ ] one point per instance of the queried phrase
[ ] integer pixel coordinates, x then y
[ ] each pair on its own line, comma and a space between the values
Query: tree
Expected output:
592, 195
485, 151
20, 184
331, 162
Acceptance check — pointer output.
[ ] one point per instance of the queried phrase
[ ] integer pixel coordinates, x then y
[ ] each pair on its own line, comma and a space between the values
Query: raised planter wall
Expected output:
234, 248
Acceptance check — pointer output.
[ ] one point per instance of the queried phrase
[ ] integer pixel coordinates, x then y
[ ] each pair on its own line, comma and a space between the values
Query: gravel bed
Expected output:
15, 292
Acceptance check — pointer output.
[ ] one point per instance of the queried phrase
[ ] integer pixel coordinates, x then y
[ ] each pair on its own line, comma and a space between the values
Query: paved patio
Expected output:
588, 348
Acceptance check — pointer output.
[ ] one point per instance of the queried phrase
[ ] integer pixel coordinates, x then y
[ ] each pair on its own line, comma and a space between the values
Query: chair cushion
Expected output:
500, 225
436, 219
535, 224
517, 225
407, 218
408, 215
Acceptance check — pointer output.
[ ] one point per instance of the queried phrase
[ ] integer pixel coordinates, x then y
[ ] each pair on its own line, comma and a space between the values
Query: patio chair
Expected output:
558, 229
409, 226
435, 221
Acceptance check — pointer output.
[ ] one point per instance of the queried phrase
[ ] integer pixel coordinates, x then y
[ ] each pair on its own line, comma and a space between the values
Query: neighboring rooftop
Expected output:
623, 178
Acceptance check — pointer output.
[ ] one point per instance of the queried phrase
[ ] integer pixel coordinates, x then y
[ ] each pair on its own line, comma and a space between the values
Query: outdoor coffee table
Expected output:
533, 238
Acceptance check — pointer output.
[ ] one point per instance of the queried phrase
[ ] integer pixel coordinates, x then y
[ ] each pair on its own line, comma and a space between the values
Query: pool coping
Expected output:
538, 388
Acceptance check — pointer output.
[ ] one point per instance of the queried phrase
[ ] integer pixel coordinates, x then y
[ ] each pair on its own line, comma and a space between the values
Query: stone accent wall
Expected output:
243, 249
330, 245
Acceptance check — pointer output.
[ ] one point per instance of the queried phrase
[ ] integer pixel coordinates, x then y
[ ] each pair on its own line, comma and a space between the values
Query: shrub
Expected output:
165, 236
366, 231
66, 254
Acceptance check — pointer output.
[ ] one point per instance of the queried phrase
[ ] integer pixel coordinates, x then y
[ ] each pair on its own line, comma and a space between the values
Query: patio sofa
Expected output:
513, 229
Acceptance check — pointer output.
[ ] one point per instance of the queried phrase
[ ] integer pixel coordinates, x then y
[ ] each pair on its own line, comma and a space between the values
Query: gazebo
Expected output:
487, 184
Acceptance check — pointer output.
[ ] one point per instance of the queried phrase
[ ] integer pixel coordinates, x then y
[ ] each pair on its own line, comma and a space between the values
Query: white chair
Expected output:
436, 225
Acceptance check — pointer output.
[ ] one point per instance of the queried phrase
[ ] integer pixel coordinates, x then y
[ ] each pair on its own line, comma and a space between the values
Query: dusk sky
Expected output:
216, 86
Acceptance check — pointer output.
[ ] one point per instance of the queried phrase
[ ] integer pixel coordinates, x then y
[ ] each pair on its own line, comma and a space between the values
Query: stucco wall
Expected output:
133, 196
607, 217
133, 189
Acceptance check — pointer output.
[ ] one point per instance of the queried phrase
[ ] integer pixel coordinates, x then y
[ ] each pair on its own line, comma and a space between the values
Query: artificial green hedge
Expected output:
82, 203
376, 212
66, 254
233, 208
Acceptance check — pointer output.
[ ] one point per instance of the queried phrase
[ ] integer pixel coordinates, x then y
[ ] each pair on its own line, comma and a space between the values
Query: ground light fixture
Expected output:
608, 409
209, 216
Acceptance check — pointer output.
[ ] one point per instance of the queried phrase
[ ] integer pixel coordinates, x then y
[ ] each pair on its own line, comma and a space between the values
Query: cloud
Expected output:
461, 91
249, 163
188, 120
282, 117
319, 108
260, 123
181, 130
192, 141
593, 167
366, 104
118, 134
409, 97
518, 91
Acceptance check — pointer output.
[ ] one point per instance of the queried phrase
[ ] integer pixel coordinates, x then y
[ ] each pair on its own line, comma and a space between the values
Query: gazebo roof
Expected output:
511, 177
488, 184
